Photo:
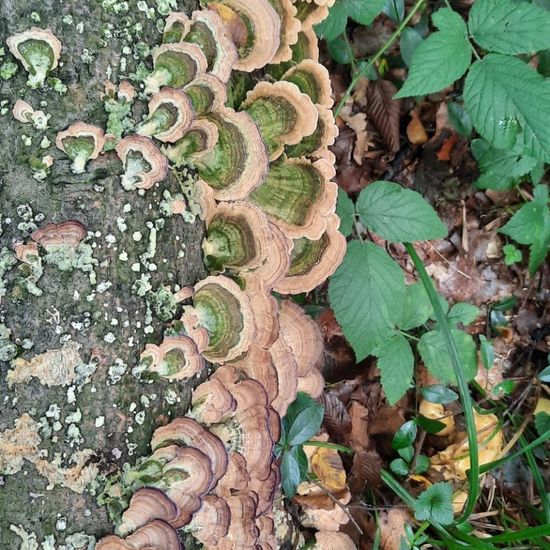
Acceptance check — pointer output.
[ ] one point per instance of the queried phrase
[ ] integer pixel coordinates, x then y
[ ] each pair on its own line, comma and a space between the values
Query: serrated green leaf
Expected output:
409, 40
405, 435
307, 424
504, 95
542, 422
436, 393
396, 365
399, 467
440, 59
364, 11
500, 168
463, 313
366, 294
512, 254
346, 212
509, 27
531, 225
435, 503
335, 24
434, 353
398, 214
340, 51
417, 307
290, 473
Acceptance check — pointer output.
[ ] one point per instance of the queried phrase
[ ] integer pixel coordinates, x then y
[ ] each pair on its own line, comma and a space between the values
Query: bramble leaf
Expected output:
417, 307
505, 26
346, 212
398, 214
463, 313
441, 58
366, 294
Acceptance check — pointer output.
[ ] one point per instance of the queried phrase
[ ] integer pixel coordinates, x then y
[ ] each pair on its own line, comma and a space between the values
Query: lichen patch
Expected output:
19, 444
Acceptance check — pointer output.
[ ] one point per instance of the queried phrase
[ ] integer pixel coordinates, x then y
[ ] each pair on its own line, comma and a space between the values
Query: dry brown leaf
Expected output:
327, 465
358, 123
416, 131
359, 436
336, 420
392, 528
383, 112
365, 471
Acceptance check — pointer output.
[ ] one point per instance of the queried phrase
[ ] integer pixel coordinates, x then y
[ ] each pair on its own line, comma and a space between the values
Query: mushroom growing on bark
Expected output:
60, 235
81, 142
313, 79
38, 50
144, 164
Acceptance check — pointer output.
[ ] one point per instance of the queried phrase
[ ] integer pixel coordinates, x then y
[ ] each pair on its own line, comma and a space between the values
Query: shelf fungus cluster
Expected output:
263, 176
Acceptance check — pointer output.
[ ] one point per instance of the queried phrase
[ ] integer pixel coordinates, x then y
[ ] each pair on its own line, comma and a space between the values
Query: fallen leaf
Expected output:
392, 528
416, 131
383, 112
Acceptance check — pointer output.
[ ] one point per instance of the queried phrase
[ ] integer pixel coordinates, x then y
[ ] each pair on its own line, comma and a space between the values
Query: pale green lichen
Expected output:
57, 85
164, 7
7, 261
8, 70
69, 259
163, 303
8, 350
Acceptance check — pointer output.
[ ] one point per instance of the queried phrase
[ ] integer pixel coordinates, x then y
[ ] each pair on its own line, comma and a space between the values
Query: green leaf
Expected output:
290, 473
335, 24
542, 422
440, 59
307, 424
409, 40
395, 9
406, 453
422, 464
544, 375
435, 503
505, 95
463, 313
487, 352
460, 119
340, 51
399, 467
302, 402
429, 424
405, 436
396, 365
398, 214
512, 255
505, 26
366, 294
417, 307
437, 393
434, 353
364, 11
346, 212
530, 225
500, 168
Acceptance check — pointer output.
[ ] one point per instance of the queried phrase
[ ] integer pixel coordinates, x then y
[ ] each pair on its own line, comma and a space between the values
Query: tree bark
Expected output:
108, 318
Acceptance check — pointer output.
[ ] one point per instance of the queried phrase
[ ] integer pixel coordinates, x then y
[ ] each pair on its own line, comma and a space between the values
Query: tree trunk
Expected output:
106, 313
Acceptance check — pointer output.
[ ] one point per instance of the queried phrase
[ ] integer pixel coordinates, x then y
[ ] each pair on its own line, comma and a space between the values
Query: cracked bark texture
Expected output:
70, 306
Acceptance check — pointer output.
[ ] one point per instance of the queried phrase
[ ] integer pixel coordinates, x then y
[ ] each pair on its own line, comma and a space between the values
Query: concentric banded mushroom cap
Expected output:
236, 478
22, 111
266, 489
27, 253
302, 334
298, 195
277, 263
312, 13
81, 142
239, 162
255, 28
176, 26
157, 535
176, 358
209, 31
238, 237
287, 374
146, 505
313, 79
312, 383
307, 45
170, 115
38, 50
221, 307
211, 402
207, 93
290, 27
67, 234
283, 114
323, 137
144, 164
211, 523
188, 432
175, 65
199, 140
264, 309
312, 262
267, 539
242, 532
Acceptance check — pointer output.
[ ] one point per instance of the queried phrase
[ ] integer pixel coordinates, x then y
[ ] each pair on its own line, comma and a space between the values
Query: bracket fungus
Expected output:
170, 114
67, 234
176, 358
38, 50
175, 65
22, 111
313, 79
312, 12
157, 534
207, 93
283, 114
144, 164
81, 142
176, 26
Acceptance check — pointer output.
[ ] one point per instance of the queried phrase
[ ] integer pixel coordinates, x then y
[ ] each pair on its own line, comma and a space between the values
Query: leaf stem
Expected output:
466, 398
378, 55
328, 445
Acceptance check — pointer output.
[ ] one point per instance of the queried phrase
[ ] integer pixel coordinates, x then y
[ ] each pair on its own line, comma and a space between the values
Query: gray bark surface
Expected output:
70, 307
